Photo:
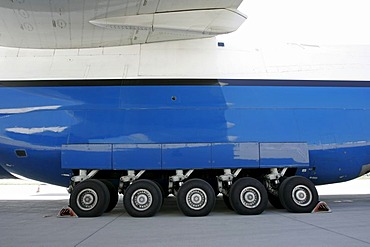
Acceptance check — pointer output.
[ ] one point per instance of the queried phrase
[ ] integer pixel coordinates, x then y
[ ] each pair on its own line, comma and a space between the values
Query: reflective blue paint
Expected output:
192, 155
234, 155
183, 155
132, 156
282, 155
87, 156
333, 121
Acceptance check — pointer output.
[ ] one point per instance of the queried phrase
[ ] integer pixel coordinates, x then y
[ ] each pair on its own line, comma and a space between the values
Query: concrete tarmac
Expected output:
33, 221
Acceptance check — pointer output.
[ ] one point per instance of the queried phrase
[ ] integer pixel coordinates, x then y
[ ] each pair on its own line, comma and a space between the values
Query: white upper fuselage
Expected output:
188, 59
132, 38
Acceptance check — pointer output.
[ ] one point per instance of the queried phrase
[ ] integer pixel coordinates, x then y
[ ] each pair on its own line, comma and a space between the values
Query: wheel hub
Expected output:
302, 195
250, 197
196, 199
141, 199
87, 199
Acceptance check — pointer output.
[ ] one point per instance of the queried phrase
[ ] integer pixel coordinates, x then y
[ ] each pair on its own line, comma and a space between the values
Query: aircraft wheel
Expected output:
248, 196
89, 198
113, 192
143, 198
163, 192
275, 201
214, 185
298, 194
196, 197
227, 202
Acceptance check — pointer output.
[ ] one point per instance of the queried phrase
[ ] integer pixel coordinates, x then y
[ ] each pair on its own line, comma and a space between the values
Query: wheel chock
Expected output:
321, 207
67, 212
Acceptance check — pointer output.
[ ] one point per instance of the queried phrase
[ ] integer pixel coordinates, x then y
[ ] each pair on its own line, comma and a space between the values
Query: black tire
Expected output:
113, 192
214, 185
143, 198
281, 193
89, 198
298, 194
163, 192
248, 196
275, 201
196, 197
227, 202
163, 185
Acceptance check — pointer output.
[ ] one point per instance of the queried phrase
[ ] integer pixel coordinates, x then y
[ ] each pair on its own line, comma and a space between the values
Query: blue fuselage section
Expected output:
332, 118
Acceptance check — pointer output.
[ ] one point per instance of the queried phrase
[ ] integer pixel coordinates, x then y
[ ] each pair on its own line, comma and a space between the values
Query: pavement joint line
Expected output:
325, 229
101, 228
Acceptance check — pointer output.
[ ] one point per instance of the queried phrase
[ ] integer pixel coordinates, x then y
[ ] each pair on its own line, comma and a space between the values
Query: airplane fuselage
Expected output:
38, 118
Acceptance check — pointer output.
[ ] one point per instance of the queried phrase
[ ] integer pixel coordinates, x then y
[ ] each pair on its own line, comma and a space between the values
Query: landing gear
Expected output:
226, 200
143, 198
273, 181
113, 192
196, 197
90, 198
248, 196
298, 194
275, 201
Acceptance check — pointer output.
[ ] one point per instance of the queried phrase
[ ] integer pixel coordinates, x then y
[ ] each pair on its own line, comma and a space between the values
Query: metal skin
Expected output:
333, 121
101, 23
196, 199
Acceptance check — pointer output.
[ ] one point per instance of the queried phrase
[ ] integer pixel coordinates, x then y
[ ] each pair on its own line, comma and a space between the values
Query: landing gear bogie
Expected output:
246, 194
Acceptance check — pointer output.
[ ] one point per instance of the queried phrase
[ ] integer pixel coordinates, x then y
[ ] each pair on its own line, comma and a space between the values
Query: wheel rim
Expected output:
87, 199
302, 195
250, 197
196, 199
141, 199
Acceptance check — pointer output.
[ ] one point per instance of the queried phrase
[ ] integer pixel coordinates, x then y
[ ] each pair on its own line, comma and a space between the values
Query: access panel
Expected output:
283, 155
87, 156
137, 157
235, 155
186, 156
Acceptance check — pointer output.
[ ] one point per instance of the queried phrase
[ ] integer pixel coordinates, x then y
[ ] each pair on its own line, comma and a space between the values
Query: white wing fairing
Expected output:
175, 25
81, 24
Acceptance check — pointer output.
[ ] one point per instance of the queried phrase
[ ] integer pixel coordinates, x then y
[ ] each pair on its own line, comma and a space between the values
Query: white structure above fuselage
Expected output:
118, 39
203, 58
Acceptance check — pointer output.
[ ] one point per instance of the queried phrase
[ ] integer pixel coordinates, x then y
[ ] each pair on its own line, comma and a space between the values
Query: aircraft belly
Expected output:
338, 164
